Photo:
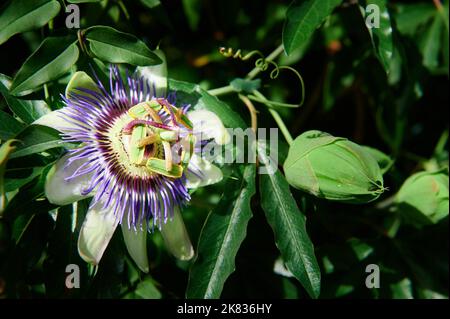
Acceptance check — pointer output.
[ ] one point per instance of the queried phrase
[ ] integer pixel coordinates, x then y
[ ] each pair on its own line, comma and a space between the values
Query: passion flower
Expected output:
137, 157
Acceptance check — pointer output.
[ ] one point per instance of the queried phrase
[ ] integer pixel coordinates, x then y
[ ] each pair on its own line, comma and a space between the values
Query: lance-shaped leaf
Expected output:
83, 1
9, 126
36, 139
5, 150
381, 34
28, 111
302, 19
113, 46
54, 57
24, 15
221, 237
288, 224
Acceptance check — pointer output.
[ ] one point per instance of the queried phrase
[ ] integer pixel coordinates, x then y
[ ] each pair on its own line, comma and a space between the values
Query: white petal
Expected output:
62, 192
176, 237
156, 74
55, 119
210, 174
136, 242
96, 232
209, 125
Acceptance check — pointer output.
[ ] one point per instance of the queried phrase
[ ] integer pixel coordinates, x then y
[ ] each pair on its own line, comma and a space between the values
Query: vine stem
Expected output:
221, 91
284, 130
272, 56
253, 112
252, 74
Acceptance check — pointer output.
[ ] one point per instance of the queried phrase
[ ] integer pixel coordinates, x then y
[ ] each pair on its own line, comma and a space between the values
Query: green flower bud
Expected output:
423, 198
333, 168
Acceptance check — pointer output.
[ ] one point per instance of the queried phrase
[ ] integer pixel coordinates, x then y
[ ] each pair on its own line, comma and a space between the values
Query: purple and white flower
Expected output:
138, 156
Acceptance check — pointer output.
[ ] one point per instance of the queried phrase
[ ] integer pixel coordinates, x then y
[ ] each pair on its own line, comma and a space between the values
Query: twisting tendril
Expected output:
263, 64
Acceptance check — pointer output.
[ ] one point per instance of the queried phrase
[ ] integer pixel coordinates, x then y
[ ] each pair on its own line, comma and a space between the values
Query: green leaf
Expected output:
20, 177
113, 46
146, 289
430, 43
5, 150
244, 85
54, 57
9, 126
28, 111
83, 1
221, 237
289, 227
402, 289
409, 17
151, 3
302, 19
200, 99
24, 15
192, 10
36, 139
381, 36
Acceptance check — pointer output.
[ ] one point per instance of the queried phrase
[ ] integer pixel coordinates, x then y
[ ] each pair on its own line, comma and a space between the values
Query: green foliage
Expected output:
302, 19
221, 236
289, 234
54, 57
288, 225
382, 36
114, 46
24, 15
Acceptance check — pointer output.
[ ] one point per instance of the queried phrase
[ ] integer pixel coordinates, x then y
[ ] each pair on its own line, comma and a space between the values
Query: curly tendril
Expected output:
263, 64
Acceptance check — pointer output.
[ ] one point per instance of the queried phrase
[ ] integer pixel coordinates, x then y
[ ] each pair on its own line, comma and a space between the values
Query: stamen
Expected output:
167, 155
148, 140
129, 127
153, 114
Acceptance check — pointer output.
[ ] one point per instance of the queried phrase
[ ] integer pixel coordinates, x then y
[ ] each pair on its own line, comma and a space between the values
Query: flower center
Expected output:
152, 138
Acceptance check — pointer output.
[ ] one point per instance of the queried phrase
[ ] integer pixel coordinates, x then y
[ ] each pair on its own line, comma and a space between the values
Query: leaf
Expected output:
36, 139
221, 237
20, 177
430, 43
24, 15
146, 289
192, 10
302, 19
113, 46
54, 57
188, 93
83, 1
247, 86
409, 17
151, 3
28, 111
5, 150
381, 35
402, 289
9, 126
289, 227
